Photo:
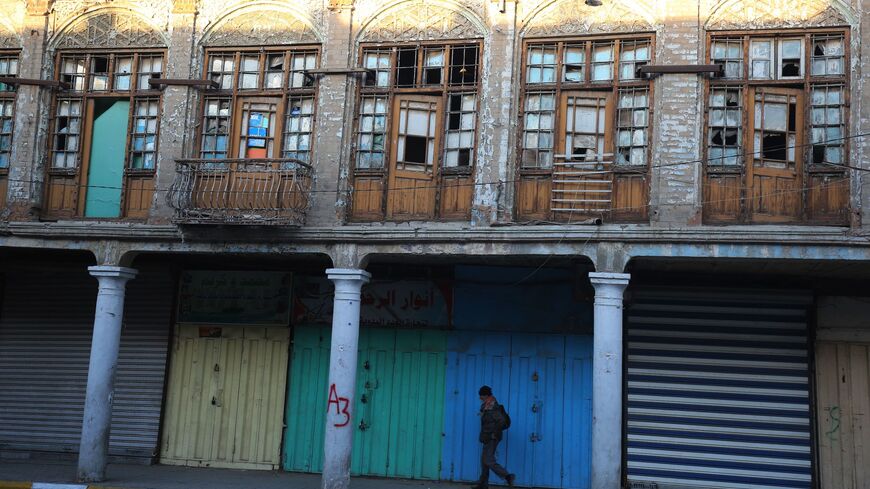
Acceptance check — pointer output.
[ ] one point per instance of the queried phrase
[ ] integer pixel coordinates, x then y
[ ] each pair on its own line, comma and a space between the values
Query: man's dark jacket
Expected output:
491, 422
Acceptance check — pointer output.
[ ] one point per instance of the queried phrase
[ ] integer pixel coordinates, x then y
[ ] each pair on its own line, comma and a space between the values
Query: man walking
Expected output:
493, 420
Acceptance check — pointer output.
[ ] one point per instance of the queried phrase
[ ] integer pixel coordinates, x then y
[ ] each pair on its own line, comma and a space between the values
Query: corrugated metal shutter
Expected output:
45, 337
718, 390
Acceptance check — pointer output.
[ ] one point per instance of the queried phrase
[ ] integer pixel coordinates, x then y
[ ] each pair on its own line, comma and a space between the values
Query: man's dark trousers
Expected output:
488, 462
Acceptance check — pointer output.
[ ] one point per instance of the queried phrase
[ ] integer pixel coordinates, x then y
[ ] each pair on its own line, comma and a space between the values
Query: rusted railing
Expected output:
256, 191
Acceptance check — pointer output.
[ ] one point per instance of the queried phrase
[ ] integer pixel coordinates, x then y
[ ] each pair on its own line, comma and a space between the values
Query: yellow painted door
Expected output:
226, 397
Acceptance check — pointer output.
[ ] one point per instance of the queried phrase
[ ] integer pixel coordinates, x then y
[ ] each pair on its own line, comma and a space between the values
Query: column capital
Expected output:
348, 274
125, 273
608, 278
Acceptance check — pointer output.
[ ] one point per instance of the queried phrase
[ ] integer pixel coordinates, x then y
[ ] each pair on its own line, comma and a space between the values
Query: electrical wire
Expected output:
627, 168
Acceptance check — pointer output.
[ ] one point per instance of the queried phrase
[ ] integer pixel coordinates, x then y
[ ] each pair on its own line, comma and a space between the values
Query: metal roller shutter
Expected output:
45, 337
718, 390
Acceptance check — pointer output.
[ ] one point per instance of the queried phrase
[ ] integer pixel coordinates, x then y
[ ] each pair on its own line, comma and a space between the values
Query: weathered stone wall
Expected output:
185, 27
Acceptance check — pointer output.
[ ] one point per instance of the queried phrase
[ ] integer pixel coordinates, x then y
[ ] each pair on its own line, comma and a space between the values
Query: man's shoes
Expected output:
480, 486
510, 479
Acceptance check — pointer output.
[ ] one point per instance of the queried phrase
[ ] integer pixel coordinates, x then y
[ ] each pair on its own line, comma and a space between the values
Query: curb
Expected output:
47, 485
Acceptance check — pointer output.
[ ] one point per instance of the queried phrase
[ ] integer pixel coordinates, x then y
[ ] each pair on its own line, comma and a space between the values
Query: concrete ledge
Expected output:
47, 485
15, 485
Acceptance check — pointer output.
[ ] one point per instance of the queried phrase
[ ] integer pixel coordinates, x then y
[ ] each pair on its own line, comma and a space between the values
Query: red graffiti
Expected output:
341, 405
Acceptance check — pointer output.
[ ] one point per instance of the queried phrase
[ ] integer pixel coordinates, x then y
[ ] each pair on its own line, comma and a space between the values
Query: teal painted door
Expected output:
374, 390
306, 400
417, 405
398, 410
107, 155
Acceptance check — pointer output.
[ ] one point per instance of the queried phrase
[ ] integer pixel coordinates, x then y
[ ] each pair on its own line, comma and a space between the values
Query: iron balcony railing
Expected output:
241, 191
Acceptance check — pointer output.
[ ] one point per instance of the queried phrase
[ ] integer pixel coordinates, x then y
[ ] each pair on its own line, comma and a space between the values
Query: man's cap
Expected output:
485, 391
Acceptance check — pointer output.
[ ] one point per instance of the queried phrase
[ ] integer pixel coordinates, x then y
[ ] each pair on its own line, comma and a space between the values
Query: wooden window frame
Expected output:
806, 82
445, 89
235, 94
78, 173
9, 94
560, 85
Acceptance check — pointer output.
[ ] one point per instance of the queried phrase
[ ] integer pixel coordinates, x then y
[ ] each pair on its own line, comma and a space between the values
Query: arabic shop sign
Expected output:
403, 303
232, 297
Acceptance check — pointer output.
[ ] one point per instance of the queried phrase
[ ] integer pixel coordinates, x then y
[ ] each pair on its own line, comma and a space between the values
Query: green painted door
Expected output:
306, 400
106, 164
398, 410
374, 390
417, 405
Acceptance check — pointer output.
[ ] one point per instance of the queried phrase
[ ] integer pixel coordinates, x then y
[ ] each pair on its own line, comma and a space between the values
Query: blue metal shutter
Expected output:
718, 390
545, 383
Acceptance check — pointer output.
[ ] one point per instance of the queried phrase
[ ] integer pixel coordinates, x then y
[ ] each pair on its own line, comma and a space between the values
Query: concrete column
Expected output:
94, 448
338, 438
607, 380
24, 194
675, 189
335, 109
497, 127
179, 106
860, 154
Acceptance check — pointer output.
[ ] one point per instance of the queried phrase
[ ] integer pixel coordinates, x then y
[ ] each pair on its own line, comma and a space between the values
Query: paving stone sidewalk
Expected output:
22, 475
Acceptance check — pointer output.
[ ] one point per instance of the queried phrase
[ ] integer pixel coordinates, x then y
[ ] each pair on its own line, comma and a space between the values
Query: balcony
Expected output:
241, 192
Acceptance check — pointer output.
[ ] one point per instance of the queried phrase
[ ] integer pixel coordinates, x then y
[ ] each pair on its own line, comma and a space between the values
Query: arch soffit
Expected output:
572, 17
755, 14
113, 26
416, 20
259, 24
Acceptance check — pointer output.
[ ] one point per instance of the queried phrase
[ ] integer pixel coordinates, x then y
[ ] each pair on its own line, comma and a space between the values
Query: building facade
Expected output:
299, 235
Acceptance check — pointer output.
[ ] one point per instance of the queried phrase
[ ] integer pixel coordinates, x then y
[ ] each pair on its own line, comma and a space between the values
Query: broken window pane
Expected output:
433, 66
221, 71
724, 122
459, 140
99, 73
828, 55
150, 66
463, 65
575, 63
275, 70
123, 72
728, 52
790, 58
633, 55
301, 61
406, 67
602, 61
632, 140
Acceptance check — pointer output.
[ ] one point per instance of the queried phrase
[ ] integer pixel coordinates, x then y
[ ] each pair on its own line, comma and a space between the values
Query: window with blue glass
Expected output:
263, 106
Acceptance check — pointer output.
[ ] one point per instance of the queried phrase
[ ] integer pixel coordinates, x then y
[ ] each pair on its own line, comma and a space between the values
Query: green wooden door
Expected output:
417, 405
398, 410
374, 391
107, 155
306, 400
